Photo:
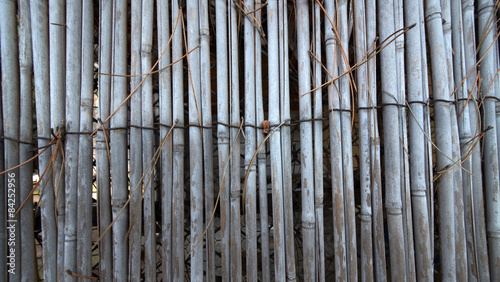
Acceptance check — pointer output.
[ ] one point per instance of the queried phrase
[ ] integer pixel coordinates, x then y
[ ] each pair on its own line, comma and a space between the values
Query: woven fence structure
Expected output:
243, 140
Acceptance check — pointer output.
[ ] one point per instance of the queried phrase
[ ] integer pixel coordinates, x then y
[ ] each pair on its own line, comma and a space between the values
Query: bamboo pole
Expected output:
28, 255
474, 197
306, 141
405, 165
73, 77
3, 183
465, 134
148, 143
377, 204
261, 158
102, 141
136, 161
57, 45
424, 256
286, 142
275, 144
364, 144
85, 158
460, 242
195, 140
223, 132
206, 100
345, 90
336, 143
318, 146
443, 139
250, 145
488, 67
10, 100
392, 144
234, 102
119, 144
165, 96
178, 149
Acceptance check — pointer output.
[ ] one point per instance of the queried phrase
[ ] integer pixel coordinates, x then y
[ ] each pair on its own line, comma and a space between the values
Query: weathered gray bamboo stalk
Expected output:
223, 132
136, 161
148, 143
275, 144
10, 101
336, 134
286, 141
73, 86
261, 158
57, 44
318, 144
250, 144
419, 185
440, 90
195, 140
165, 96
3, 213
377, 205
345, 90
102, 142
234, 102
178, 148
460, 240
405, 165
206, 100
465, 135
474, 200
119, 143
392, 144
364, 144
488, 67
85, 158
306, 140
27, 259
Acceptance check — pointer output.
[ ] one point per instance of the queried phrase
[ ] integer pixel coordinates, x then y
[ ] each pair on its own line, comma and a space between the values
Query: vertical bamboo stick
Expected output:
119, 144
178, 149
102, 142
392, 144
364, 144
275, 145
261, 157
440, 90
318, 146
73, 76
2, 182
474, 197
336, 142
165, 96
136, 161
377, 205
28, 256
206, 100
11, 103
460, 242
349, 203
488, 68
85, 155
195, 140
286, 142
250, 145
148, 143
57, 43
306, 141
234, 99
405, 172
223, 132
424, 256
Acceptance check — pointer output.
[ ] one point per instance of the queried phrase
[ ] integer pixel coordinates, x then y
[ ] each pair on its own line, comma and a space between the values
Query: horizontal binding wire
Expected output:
418, 102
143, 127
16, 140
444, 101
339, 110
78, 133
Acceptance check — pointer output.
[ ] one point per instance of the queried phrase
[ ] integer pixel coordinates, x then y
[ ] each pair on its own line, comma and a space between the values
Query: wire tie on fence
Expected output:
143, 127
15, 140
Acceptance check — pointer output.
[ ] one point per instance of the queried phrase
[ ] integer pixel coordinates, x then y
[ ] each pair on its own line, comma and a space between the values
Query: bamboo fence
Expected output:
239, 140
